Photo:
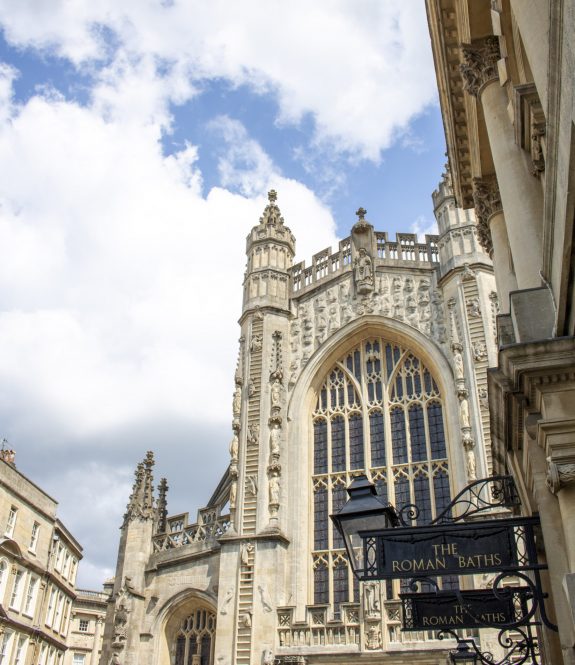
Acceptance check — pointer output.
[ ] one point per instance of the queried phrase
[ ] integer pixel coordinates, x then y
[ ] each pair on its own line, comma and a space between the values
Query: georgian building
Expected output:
86, 629
38, 565
373, 359
506, 87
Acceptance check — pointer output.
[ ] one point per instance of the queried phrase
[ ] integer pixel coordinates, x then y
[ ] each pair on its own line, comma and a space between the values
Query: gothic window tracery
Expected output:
194, 642
379, 411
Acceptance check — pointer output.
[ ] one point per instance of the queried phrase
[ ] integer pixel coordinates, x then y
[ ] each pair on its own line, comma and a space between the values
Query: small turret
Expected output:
270, 249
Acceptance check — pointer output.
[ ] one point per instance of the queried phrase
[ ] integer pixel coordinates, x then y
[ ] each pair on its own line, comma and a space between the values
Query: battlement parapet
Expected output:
405, 250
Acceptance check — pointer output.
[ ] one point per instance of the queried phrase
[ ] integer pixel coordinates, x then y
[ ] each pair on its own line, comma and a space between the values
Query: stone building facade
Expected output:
372, 359
86, 630
38, 565
506, 86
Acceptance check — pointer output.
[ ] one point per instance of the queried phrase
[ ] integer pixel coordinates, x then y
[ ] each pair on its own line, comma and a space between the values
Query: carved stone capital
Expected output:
559, 475
487, 202
479, 63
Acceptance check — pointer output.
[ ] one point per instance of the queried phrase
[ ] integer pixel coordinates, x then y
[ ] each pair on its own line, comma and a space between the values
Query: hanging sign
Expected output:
464, 609
450, 549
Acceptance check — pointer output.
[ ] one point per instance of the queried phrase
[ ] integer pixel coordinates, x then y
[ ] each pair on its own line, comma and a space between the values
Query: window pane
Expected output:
356, 442
417, 434
320, 585
337, 444
398, 442
320, 446
338, 499
422, 499
441, 489
340, 587
377, 434
436, 434
320, 518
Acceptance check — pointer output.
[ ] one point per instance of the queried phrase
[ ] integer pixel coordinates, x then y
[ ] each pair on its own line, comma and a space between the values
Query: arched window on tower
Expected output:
194, 642
379, 412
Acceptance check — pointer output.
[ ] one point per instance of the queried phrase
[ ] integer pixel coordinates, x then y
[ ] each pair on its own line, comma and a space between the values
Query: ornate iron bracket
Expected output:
481, 495
522, 646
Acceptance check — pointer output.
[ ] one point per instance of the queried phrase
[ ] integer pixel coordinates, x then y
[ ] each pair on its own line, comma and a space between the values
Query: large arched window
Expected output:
379, 411
194, 642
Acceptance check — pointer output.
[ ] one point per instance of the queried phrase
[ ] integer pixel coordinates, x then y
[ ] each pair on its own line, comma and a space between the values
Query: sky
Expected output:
138, 140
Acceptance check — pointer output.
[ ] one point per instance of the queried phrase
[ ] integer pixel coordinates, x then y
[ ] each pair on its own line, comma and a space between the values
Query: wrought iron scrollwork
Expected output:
481, 495
521, 646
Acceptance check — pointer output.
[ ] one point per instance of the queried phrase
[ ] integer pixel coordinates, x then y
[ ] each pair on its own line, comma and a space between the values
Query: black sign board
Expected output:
449, 549
465, 609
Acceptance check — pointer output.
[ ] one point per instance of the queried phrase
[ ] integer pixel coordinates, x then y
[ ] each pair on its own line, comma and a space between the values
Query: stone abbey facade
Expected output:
372, 359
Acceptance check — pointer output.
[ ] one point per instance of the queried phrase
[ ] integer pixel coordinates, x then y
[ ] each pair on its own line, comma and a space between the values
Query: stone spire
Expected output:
162, 506
141, 503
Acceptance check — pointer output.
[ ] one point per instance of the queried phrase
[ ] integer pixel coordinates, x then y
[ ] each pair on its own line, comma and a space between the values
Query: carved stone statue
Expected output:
471, 464
479, 351
233, 494
227, 600
268, 657
373, 635
237, 401
473, 307
464, 412
363, 272
458, 363
234, 447
256, 344
371, 605
246, 550
275, 434
253, 434
274, 489
275, 394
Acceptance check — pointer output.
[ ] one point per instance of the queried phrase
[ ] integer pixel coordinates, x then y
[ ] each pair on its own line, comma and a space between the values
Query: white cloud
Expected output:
423, 226
113, 287
362, 69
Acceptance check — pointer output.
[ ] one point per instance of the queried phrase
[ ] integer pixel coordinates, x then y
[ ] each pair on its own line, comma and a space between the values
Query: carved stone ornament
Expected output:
479, 63
487, 202
559, 475
363, 272
227, 600
371, 602
373, 635
479, 351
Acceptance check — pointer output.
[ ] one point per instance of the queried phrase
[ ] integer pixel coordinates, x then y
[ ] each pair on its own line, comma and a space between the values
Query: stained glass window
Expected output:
320, 518
338, 444
401, 448
398, 436
377, 433
320, 584
320, 446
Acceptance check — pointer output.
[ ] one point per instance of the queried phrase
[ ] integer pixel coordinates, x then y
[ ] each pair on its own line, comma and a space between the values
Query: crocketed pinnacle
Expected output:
141, 503
162, 506
272, 215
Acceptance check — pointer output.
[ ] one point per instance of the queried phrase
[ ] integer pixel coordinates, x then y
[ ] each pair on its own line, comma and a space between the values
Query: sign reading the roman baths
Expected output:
449, 549
464, 609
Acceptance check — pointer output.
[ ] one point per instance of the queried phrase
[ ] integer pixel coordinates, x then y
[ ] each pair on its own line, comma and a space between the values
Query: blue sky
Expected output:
138, 141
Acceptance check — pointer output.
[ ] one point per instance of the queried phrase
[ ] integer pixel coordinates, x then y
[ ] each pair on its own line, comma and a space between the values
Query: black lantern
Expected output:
364, 511
463, 655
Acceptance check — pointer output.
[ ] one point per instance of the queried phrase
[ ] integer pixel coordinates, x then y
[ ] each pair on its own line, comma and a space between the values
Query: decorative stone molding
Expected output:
487, 202
530, 126
479, 64
559, 474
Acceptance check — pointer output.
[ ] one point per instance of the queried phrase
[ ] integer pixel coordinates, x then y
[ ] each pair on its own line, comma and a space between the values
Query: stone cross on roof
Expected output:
361, 213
